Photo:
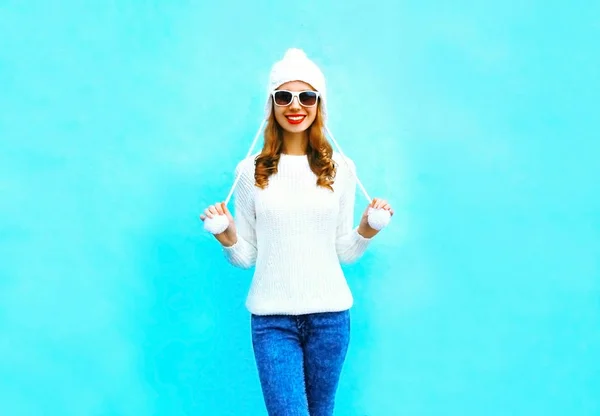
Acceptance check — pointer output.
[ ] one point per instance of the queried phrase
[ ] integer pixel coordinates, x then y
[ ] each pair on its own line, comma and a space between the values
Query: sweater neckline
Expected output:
293, 157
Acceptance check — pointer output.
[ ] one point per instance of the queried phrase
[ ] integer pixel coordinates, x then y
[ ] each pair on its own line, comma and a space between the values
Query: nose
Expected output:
295, 104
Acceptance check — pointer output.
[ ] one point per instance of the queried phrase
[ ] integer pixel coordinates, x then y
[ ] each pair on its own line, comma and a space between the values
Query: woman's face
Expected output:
295, 117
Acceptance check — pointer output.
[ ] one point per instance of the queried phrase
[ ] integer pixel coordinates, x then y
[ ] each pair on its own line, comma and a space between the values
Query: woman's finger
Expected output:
225, 209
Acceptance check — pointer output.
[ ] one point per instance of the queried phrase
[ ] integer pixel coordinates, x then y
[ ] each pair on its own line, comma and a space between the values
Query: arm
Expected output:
350, 245
243, 252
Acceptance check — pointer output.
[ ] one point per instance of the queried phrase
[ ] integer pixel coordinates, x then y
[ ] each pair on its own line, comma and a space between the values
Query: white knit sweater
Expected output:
296, 234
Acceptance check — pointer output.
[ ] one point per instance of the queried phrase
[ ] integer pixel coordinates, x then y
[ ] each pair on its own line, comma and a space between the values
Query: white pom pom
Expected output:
217, 224
378, 218
294, 54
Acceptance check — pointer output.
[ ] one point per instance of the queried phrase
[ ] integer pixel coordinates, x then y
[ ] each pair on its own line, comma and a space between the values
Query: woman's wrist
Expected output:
366, 232
228, 242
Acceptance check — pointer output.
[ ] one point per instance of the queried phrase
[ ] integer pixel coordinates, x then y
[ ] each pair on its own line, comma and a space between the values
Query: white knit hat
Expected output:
295, 66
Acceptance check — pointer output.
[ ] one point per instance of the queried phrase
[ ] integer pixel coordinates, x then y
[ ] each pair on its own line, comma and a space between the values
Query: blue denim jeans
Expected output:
299, 360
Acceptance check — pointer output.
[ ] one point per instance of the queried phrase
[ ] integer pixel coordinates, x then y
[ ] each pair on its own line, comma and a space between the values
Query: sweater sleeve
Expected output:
350, 245
243, 253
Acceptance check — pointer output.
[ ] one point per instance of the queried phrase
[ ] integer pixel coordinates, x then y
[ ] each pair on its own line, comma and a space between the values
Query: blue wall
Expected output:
120, 122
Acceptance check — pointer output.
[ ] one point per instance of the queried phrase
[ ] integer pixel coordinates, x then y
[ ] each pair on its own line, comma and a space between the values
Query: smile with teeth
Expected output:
295, 119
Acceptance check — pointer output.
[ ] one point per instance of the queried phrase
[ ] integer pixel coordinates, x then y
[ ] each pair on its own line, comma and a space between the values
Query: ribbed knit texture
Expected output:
296, 234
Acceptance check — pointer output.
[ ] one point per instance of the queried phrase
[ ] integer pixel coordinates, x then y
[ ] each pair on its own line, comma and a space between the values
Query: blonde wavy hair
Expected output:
319, 153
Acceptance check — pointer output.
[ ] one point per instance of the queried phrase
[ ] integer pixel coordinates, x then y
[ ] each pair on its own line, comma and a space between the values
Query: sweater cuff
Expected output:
240, 254
352, 246
360, 241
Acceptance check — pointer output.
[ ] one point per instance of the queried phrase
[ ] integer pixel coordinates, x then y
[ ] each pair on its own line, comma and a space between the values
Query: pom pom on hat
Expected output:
295, 54
296, 66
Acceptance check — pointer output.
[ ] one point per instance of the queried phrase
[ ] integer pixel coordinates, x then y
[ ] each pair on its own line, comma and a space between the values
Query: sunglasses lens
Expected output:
308, 98
283, 97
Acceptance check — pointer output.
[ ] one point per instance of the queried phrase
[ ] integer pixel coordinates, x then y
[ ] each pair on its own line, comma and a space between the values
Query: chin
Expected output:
296, 129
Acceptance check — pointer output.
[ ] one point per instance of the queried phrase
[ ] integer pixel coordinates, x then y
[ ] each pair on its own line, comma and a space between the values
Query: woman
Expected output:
294, 208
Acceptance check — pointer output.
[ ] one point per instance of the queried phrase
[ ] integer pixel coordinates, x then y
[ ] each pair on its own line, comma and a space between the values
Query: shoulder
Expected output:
245, 171
345, 165
245, 167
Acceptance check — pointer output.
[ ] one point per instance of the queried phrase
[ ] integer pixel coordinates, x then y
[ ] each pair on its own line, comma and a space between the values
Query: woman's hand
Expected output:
228, 237
364, 229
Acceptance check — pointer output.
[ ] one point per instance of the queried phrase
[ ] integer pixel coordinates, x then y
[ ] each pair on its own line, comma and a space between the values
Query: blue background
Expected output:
121, 121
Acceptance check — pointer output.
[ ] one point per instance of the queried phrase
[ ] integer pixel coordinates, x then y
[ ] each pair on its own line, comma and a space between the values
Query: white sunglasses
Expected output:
283, 98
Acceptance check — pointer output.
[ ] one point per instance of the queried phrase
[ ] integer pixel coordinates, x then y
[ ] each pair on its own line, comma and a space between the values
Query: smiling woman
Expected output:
295, 128
295, 102
295, 223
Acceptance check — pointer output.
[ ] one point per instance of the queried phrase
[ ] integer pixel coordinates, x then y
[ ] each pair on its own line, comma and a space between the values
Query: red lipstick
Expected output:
295, 119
